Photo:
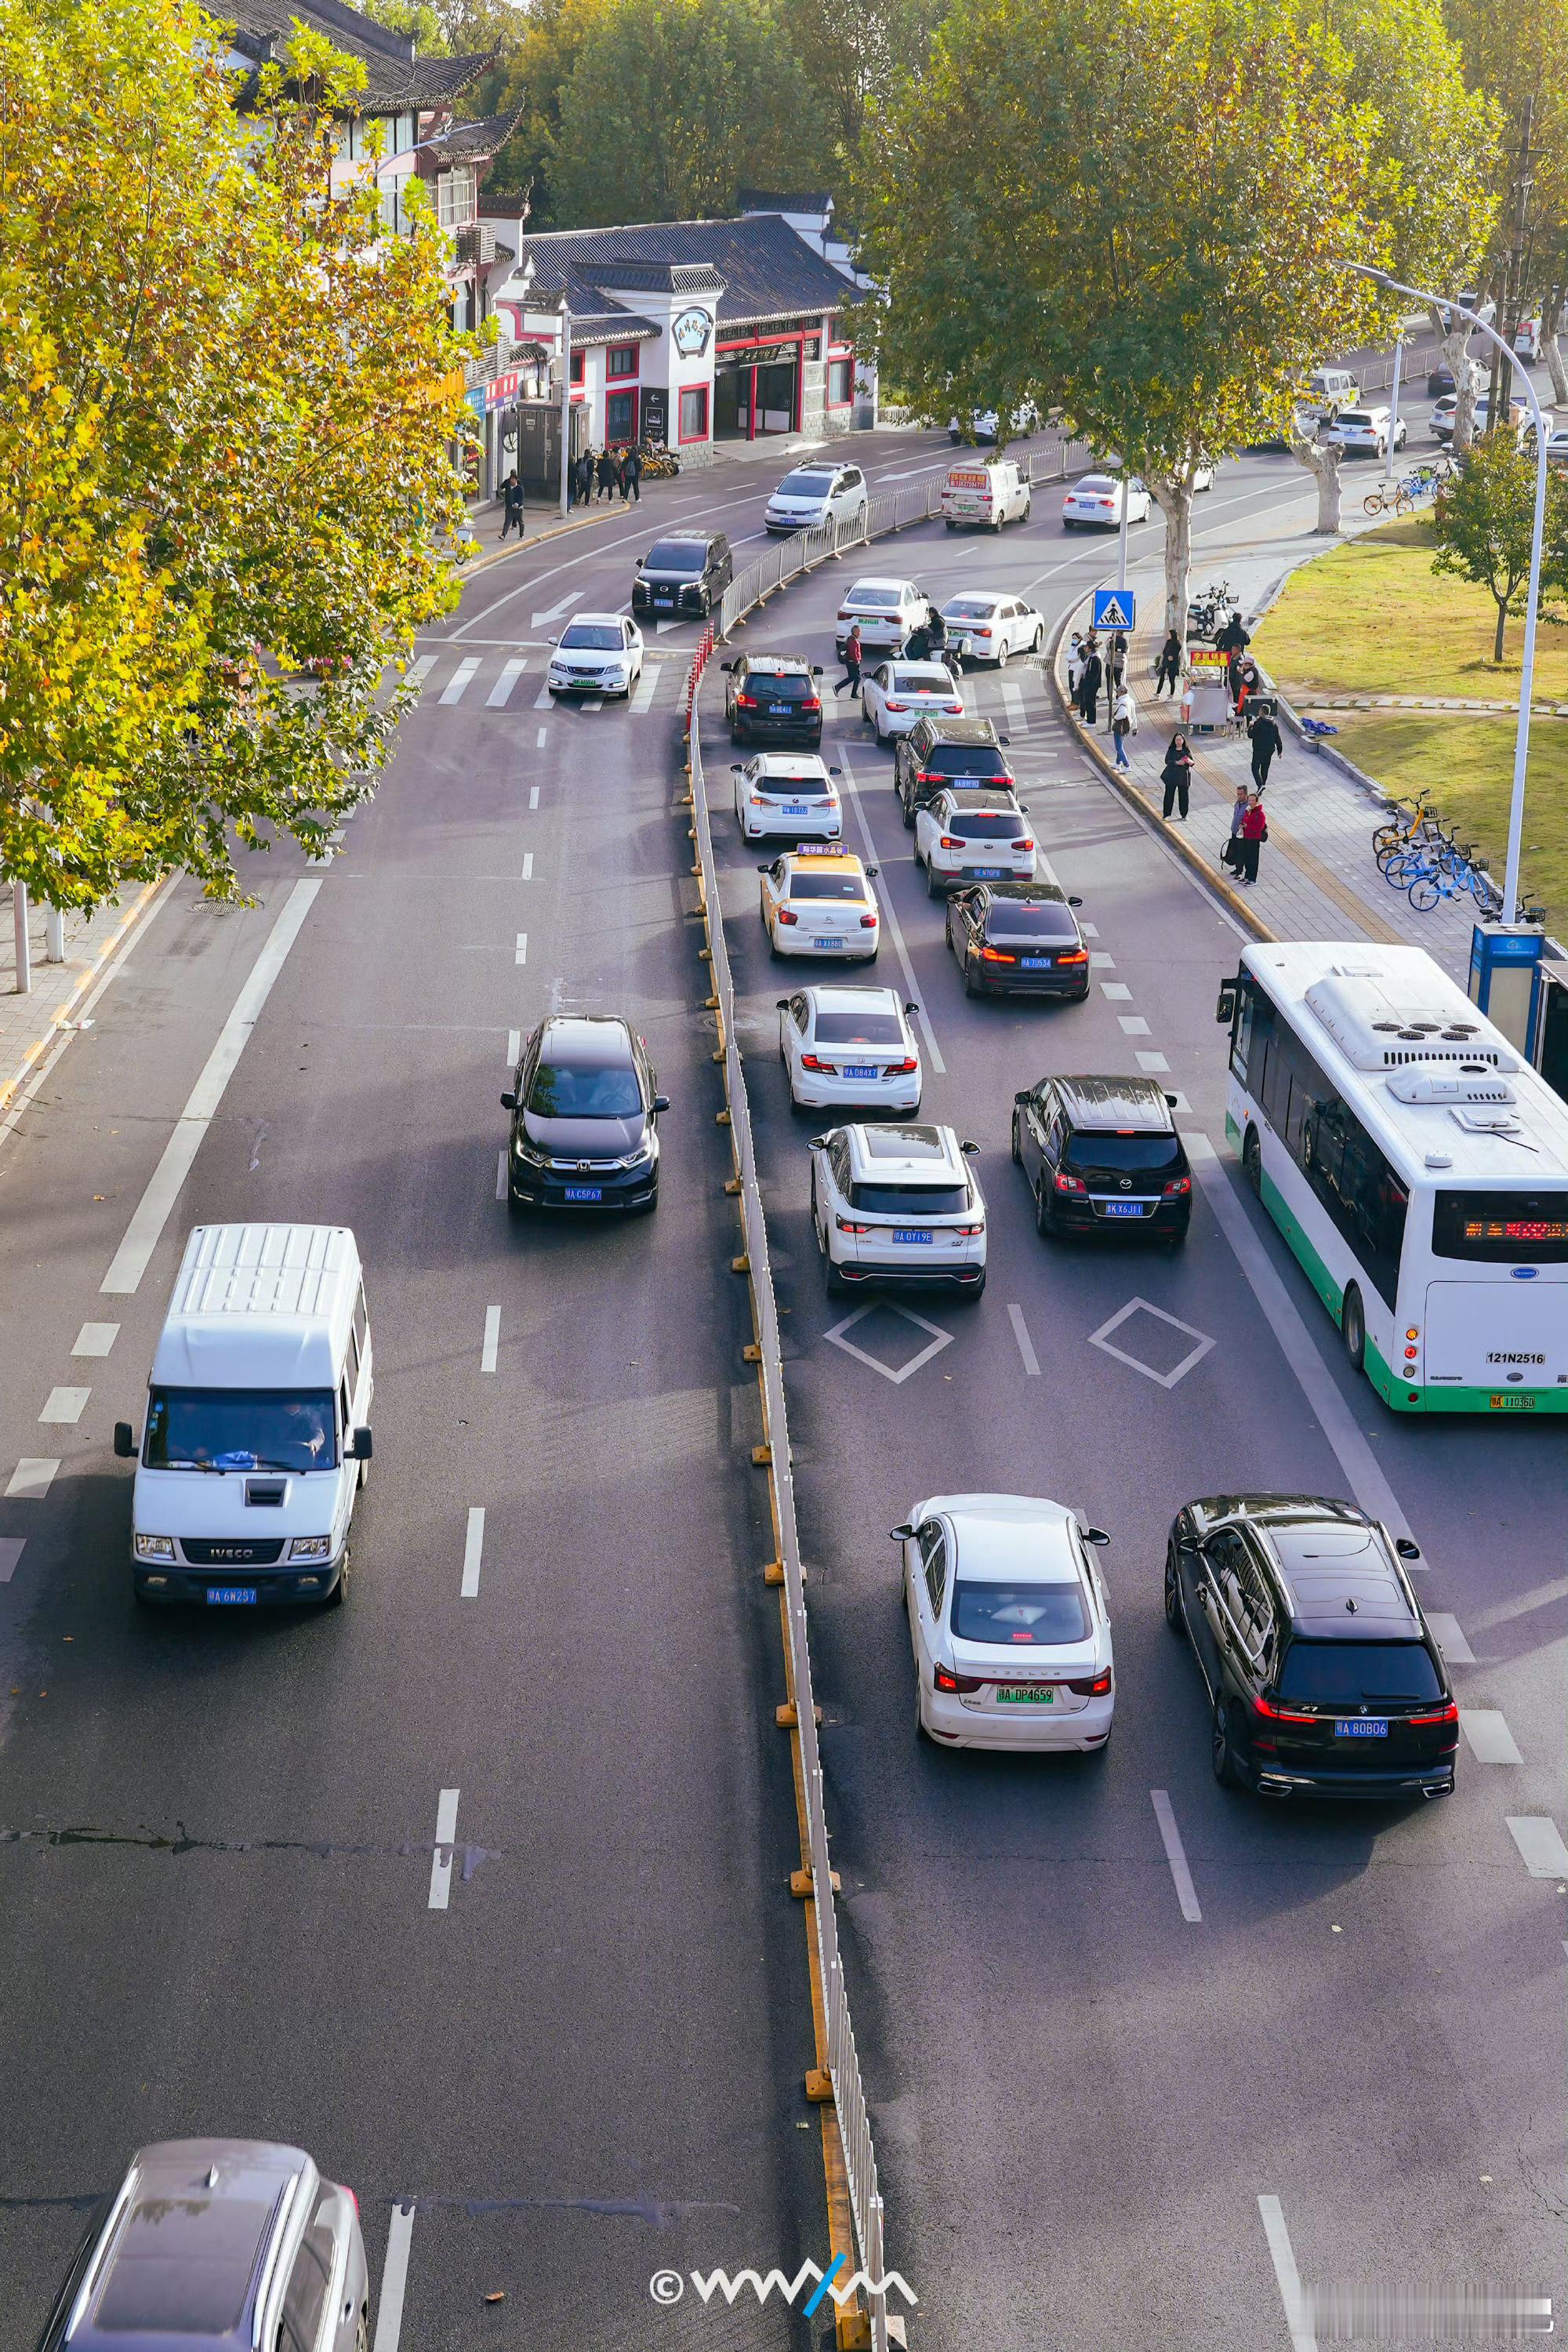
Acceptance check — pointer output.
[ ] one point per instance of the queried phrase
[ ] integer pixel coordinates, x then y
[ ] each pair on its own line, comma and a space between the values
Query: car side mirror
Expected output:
660, 1102
360, 1445
125, 1441
816, 672
969, 1150
911, 1008
553, 641
734, 767
1225, 1011
1075, 902
1022, 1098
817, 1143
872, 872
764, 870
782, 1003
1406, 1548
726, 665
1003, 739
509, 1100
836, 771
904, 1534
1095, 1536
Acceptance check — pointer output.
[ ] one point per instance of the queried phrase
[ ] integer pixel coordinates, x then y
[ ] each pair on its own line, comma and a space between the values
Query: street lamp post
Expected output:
565, 401
1532, 595
1394, 410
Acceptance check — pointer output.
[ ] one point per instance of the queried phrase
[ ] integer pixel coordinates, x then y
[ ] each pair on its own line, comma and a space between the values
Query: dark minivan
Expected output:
940, 751
1323, 1674
1018, 939
773, 698
1102, 1156
584, 1114
682, 577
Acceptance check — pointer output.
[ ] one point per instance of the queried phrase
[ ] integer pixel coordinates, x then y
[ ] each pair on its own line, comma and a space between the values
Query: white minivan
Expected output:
257, 1407
988, 492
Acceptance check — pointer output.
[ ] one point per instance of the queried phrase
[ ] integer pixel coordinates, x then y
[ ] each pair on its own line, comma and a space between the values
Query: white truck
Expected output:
985, 491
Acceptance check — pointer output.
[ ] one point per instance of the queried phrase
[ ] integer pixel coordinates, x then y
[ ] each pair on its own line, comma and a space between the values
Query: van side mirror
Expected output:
1095, 1536
1406, 1548
660, 1102
360, 1445
125, 1441
1075, 902
764, 870
509, 1100
1225, 1011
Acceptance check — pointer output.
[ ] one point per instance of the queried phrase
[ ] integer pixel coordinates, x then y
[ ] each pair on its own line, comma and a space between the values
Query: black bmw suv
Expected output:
683, 576
1322, 1675
1102, 1156
1018, 939
940, 751
773, 698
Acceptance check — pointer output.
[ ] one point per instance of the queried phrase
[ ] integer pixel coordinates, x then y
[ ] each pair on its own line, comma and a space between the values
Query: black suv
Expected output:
772, 699
938, 752
1018, 939
584, 1117
1101, 1154
683, 576
1322, 1675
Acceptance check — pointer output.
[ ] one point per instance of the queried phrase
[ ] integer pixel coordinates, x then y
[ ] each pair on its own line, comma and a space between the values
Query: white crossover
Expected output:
814, 495
787, 796
986, 625
885, 609
597, 653
968, 836
900, 1205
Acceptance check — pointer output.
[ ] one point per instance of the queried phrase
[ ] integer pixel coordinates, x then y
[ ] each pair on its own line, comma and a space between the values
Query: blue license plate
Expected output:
796, 808
827, 943
779, 709
585, 1192
909, 1233
861, 1070
1036, 963
1124, 1208
1362, 1728
984, 873
231, 1595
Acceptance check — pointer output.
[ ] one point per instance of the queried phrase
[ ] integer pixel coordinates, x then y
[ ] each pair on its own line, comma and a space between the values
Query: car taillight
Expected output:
746, 702
1178, 1188
846, 1225
845, 614
1064, 1183
1023, 845
786, 915
969, 1232
1449, 1714
983, 632
896, 706
900, 1069
953, 709
811, 702
996, 955
811, 1062
761, 800
353, 2200
1280, 1714
1092, 1687
867, 922
945, 1679
927, 776
1073, 955
950, 841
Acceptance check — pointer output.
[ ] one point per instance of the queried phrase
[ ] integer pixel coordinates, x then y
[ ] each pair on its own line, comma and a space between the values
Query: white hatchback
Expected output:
1009, 1624
986, 625
849, 1048
896, 693
597, 653
787, 796
814, 495
886, 610
897, 1204
821, 903
1096, 502
972, 835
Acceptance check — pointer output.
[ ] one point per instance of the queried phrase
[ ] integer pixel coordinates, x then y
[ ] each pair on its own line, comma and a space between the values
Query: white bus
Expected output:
1416, 1167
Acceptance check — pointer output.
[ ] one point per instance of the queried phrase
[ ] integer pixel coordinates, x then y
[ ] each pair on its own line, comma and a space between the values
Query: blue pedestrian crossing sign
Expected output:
1113, 608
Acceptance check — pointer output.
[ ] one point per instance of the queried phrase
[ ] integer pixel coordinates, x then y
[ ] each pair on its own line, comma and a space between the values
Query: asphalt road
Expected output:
589, 2066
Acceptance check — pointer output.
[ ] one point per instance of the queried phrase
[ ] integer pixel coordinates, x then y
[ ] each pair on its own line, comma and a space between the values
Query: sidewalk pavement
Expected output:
31, 1024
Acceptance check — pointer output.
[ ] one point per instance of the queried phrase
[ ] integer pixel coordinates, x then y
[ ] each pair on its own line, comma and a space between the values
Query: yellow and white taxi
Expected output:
820, 902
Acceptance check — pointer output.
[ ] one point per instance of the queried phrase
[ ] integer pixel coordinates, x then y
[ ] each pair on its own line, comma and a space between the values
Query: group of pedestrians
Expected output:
606, 471
1092, 671
926, 641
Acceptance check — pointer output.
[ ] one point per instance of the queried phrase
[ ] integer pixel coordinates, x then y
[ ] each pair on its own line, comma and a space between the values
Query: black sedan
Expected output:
1018, 939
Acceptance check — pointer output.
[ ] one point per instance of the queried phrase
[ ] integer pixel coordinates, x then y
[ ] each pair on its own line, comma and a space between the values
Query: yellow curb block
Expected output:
786, 1717
802, 1884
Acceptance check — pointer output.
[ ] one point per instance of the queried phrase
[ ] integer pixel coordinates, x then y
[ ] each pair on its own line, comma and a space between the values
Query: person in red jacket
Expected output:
1254, 833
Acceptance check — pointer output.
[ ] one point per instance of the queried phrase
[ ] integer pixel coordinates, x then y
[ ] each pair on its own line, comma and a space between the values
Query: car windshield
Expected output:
1035, 1616
601, 636
911, 1200
683, 556
981, 825
1358, 1673
805, 486
1050, 922
780, 685
241, 1429
875, 600
595, 1090
966, 760
859, 1029
1086, 1149
826, 885
969, 608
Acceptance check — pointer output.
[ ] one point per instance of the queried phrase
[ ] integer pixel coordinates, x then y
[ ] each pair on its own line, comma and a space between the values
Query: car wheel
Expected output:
1173, 1618
934, 883
1002, 652
1068, 524
1221, 1755
1044, 1222
1252, 1161
339, 1591
952, 526
877, 731
1017, 1151
1038, 639
1028, 510
1352, 1327
774, 949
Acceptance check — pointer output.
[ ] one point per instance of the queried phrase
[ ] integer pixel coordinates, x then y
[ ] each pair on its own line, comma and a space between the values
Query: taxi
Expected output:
820, 902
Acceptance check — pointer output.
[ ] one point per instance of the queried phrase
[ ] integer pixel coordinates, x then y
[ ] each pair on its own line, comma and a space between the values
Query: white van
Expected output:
1329, 390
258, 1410
988, 491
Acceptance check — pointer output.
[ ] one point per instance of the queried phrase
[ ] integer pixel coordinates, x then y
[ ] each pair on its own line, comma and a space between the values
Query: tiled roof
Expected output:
475, 142
768, 200
765, 270
397, 77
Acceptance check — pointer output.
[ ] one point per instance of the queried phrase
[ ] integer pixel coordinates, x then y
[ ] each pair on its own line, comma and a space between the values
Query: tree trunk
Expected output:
1550, 347
1467, 373
1322, 460
1501, 602
1173, 496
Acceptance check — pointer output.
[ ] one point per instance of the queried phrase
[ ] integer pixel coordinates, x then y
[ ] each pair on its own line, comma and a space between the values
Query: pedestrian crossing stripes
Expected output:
460, 676
495, 699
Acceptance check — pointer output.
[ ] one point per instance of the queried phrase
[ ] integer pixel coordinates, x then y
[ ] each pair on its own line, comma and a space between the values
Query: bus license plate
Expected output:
585, 1192
1510, 1404
909, 1233
231, 1595
1360, 1728
861, 1070
1123, 1208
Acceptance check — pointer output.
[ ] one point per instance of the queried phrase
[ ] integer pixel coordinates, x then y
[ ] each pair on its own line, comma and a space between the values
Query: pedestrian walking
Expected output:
1176, 775
1254, 833
512, 505
1089, 686
936, 631
631, 475
1266, 745
852, 657
582, 478
1231, 854
1168, 668
1232, 642
609, 474
1074, 666
1123, 723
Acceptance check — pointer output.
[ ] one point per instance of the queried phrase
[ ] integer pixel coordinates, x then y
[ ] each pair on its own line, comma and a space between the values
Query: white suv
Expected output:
814, 495
787, 796
967, 835
1365, 431
897, 1204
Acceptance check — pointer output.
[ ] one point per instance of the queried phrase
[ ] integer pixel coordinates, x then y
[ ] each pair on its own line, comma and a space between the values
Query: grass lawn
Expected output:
1469, 763
1372, 618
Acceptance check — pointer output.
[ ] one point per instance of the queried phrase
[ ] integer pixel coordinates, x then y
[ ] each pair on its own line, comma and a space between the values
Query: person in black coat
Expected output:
1176, 775
1266, 744
1232, 642
1089, 685
582, 479
1168, 668
631, 475
609, 474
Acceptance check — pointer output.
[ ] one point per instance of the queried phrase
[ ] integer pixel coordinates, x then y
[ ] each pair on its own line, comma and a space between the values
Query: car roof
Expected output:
1019, 1537
835, 860
958, 730
1113, 1102
1326, 1554
602, 1037
978, 796
607, 620
776, 661
913, 1153
789, 763
878, 580
835, 998
1026, 894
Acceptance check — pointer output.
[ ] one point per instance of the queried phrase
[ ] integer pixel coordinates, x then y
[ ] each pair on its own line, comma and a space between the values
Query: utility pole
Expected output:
565, 401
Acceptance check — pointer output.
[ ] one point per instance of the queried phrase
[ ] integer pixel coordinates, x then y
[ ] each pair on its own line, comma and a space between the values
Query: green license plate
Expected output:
1026, 1698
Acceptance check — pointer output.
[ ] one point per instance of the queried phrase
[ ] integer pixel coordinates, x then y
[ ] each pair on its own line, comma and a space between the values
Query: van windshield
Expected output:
241, 1429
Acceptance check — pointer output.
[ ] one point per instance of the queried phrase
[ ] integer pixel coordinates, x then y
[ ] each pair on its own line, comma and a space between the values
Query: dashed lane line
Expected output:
393, 2280
31, 1479
473, 1552
1026, 1345
891, 920
1177, 1856
1302, 2337
1539, 1843
492, 1341
65, 1404
1487, 1737
96, 1338
441, 1860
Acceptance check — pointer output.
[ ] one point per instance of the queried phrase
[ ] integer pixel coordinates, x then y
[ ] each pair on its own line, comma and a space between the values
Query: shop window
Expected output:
579, 364
618, 416
621, 360
694, 413
840, 382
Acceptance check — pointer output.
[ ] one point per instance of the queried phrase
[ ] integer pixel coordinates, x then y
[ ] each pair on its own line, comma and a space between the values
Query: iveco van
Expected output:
257, 1436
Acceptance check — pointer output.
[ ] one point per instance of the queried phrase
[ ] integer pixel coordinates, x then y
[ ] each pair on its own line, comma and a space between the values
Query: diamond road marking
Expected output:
938, 1341
1194, 1355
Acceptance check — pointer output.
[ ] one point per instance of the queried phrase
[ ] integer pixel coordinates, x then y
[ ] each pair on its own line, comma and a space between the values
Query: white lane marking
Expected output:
522, 947
152, 1214
1539, 1843
527, 875
473, 1551
1098, 961
10, 1553
31, 1479
1302, 2338
543, 700
456, 686
491, 1339
1151, 1063
1338, 1423
533, 789
1177, 1856
1133, 1025
1116, 991
393, 2280
513, 1047
591, 702
1523, 1604
1026, 1345
647, 687
1091, 931
1487, 1736
1450, 1640
65, 1404
420, 671
441, 1860
1013, 707
837, 1337
500, 1173
500, 692
891, 920
556, 612
1102, 1339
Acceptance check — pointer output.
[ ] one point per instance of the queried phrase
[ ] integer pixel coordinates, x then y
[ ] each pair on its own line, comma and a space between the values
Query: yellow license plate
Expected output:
1510, 1404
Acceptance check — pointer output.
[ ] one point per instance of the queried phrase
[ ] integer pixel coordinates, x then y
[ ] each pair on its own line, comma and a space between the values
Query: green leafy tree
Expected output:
1483, 521
854, 54
226, 405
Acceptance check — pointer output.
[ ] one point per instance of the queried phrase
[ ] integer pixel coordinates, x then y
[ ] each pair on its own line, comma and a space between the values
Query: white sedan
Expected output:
969, 836
787, 796
896, 693
993, 625
848, 1047
885, 609
1009, 1624
1364, 432
1096, 502
597, 653
820, 903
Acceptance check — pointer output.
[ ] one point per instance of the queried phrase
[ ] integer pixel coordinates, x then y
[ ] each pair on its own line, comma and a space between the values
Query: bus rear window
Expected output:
1501, 1228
